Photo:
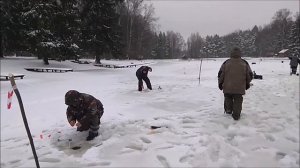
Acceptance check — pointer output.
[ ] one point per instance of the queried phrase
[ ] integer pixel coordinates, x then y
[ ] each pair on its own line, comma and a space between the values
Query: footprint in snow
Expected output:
145, 140
9, 139
135, 146
187, 121
185, 158
126, 151
47, 153
270, 137
258, 148
280, 155
17, 140
43, 131
163, 161
189, 136
292, 139
14, 161
50, 160
99, 164
165, 147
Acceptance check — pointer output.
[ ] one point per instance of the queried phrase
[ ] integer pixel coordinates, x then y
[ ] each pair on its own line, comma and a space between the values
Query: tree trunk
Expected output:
2, 47
140, 46
127, 31
130, 37
98, 57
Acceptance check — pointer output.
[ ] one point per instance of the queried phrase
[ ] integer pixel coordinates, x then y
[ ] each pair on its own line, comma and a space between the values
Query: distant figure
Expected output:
142, 74
234, 78
84, 109
294, 64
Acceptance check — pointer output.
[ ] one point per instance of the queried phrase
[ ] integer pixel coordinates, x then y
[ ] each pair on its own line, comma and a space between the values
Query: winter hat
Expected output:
72, 98
235, 53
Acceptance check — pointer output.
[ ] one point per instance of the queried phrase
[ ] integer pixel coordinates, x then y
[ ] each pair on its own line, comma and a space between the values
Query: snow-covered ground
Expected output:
194, 130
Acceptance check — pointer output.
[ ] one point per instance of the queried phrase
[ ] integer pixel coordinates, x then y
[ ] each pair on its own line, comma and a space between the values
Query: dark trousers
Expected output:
294, 69
95, 122
233, 104
90, 123
147, 81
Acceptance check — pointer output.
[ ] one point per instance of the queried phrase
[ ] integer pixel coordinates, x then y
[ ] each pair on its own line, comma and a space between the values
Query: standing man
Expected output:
234, 78
142, 74
84, 111
294, 64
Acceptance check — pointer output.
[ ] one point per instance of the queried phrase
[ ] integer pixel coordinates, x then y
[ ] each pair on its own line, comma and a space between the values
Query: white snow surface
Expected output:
194, 130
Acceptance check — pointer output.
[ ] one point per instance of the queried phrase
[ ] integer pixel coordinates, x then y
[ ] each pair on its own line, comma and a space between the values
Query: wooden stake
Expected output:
14, 86
200, 71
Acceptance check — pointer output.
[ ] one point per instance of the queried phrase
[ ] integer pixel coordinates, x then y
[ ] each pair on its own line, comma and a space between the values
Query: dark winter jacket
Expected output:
294, 61
235, 74
83, 108
143, 71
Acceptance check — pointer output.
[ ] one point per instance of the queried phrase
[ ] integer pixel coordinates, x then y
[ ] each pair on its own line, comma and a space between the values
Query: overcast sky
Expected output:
209, 17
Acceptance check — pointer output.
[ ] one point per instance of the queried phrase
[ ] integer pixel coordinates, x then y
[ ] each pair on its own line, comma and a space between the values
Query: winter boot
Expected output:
228, 112
91, 136
236, 116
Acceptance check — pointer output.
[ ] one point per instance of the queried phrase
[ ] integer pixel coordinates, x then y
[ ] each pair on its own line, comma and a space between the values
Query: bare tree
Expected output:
282, 21
133, 8
195, 43
176, 44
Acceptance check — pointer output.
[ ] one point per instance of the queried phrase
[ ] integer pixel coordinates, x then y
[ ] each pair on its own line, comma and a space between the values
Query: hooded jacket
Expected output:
143, 71
83, 107
235, 74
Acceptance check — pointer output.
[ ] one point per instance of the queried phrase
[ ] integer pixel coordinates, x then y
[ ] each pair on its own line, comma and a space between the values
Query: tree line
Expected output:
281, 33
73, 29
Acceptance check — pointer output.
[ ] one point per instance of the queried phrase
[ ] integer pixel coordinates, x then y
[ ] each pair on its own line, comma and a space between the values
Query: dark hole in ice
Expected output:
155, 127
76, 147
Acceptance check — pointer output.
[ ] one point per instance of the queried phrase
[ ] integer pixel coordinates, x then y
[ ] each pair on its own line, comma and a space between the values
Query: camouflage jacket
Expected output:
89, 108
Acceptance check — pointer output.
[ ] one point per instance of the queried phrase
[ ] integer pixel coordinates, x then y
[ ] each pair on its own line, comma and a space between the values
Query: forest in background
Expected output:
117, 29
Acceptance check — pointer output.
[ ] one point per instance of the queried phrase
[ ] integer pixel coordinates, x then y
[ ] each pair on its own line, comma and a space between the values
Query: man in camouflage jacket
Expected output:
234, 78
84, 109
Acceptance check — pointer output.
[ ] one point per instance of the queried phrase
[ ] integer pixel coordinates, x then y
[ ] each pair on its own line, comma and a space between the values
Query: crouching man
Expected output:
84, 111
142, 74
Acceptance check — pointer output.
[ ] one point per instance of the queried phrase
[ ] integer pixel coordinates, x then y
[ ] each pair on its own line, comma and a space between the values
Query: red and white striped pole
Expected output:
9, 98
16, 90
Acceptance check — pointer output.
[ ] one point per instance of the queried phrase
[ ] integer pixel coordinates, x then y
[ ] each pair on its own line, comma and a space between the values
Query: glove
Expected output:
72, 123
247, 86
220, 86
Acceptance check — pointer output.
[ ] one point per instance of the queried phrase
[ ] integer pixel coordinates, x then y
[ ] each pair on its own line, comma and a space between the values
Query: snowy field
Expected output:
194, 130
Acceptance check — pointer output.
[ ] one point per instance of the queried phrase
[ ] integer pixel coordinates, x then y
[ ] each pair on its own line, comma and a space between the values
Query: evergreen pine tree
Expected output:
99, 28
294, 38
12, 25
